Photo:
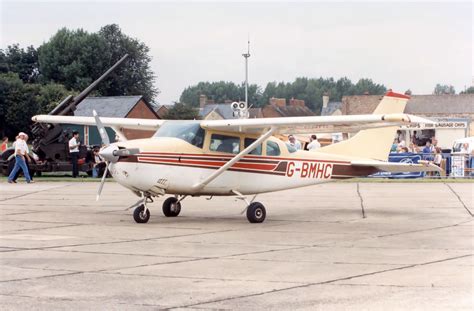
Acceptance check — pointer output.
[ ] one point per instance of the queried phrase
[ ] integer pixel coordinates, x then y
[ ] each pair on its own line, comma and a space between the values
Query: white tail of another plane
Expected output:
373, 143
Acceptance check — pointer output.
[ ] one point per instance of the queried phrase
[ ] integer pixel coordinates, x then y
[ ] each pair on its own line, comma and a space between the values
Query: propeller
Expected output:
110, 153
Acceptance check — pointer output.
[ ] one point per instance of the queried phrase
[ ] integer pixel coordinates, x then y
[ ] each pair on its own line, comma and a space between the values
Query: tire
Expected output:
169, 210
256, 212
139, 216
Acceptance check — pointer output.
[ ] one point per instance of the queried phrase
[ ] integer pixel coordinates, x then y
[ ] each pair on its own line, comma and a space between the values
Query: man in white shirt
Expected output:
74, 151
21, 151
314, 143
293, 143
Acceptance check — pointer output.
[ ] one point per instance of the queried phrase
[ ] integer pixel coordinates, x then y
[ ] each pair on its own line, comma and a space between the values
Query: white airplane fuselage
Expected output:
176, 167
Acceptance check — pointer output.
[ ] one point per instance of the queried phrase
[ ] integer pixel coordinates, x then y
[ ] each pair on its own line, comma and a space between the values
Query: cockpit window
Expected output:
248, 142
192, 133
272, 149
224, 143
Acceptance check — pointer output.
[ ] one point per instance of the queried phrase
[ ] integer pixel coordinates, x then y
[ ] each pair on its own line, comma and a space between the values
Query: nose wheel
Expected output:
256, 212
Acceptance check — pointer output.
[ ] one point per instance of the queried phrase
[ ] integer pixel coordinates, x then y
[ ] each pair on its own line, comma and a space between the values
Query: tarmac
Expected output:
413, 250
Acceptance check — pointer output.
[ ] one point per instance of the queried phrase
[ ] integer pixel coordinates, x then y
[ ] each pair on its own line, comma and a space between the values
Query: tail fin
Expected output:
373, 143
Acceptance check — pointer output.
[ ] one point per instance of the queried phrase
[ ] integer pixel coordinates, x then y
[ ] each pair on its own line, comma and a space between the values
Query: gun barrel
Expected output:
90, 88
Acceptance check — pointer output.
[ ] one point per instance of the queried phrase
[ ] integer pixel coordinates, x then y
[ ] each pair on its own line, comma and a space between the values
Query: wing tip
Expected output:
390, 93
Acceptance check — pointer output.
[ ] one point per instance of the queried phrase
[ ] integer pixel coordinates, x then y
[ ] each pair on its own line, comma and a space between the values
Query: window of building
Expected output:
224, 143
256, 151
272, 149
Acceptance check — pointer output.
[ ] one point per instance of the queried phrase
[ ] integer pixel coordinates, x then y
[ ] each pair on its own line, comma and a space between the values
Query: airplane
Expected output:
241, 157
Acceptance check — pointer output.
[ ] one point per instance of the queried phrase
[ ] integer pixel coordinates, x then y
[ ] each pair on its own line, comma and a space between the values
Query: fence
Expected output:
456, 165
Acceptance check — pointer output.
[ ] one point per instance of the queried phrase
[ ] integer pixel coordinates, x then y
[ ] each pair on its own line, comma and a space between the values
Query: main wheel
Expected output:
256, 212
140, 216
171, 207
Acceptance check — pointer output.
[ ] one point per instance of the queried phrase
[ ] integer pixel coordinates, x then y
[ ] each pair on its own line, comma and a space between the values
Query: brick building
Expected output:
278, 107
113, 107
454, 114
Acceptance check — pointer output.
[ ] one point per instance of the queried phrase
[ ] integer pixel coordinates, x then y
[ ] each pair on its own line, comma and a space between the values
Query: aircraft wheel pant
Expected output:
140, 216
171, 208
256, 212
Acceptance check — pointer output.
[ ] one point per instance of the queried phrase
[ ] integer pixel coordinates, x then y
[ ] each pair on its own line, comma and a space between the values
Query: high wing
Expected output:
317, 124
136, 124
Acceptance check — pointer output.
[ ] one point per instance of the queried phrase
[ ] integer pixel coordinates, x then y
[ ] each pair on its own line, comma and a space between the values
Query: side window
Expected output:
224, 143
272, 149
256, 151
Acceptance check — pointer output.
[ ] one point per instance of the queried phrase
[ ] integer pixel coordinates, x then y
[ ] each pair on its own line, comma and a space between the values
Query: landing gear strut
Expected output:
141, 214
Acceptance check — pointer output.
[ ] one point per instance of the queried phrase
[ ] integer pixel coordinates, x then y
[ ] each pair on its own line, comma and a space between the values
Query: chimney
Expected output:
325, 100
297, 102
202, 100
279, 102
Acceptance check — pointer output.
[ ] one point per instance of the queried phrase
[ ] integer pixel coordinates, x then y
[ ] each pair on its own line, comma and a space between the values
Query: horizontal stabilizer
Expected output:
396, 167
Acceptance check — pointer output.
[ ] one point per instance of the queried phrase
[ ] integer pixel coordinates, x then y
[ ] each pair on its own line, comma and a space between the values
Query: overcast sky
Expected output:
402, 45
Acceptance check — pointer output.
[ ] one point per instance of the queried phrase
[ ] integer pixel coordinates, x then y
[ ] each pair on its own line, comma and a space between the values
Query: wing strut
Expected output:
234, 160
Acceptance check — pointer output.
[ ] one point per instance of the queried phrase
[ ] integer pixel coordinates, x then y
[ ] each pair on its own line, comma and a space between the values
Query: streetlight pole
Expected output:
247, 55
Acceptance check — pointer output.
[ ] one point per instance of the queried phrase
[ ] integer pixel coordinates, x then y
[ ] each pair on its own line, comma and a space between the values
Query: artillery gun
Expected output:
50, 140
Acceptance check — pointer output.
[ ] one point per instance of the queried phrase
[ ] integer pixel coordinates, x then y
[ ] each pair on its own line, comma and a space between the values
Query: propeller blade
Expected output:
126, 152
103, 133
102, 181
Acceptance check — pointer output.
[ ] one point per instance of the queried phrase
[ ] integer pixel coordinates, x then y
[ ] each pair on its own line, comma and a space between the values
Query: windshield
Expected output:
189, 132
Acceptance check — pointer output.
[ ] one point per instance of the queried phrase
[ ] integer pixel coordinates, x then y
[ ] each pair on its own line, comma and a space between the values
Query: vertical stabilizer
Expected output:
373, 143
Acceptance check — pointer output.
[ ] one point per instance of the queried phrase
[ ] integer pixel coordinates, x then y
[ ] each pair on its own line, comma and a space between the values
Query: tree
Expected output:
469, 90
50, 95
17, 104
20, 61
75, 58
441, 89
182, 111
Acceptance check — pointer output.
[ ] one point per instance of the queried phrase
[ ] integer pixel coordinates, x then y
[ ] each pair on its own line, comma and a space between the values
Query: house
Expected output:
278, 107
454, 114
113, 107
163, 111
331, 108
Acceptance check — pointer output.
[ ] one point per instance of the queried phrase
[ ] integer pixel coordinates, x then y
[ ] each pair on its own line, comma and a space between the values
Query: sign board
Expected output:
406, 157
457, 165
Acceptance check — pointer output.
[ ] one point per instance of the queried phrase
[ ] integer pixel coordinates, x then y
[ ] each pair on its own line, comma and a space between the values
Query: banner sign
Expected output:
441, 123
406, 157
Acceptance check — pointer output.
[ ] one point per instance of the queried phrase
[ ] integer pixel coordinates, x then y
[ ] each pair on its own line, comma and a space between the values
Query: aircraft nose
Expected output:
113, 152
108, 153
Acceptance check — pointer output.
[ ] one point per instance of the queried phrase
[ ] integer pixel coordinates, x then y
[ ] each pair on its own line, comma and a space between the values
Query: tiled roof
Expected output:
418, 104
110, 106
225, 110
331, 108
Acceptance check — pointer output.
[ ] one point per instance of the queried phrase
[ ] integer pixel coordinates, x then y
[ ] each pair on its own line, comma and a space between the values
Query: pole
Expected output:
247, 55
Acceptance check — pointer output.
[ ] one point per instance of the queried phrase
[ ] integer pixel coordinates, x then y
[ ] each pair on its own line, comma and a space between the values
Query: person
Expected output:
404, 150
292, 142
438, 158
4, 144
27, 160
20, 154
74, 151
427, 151
394, 147
98, 163
314, 143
